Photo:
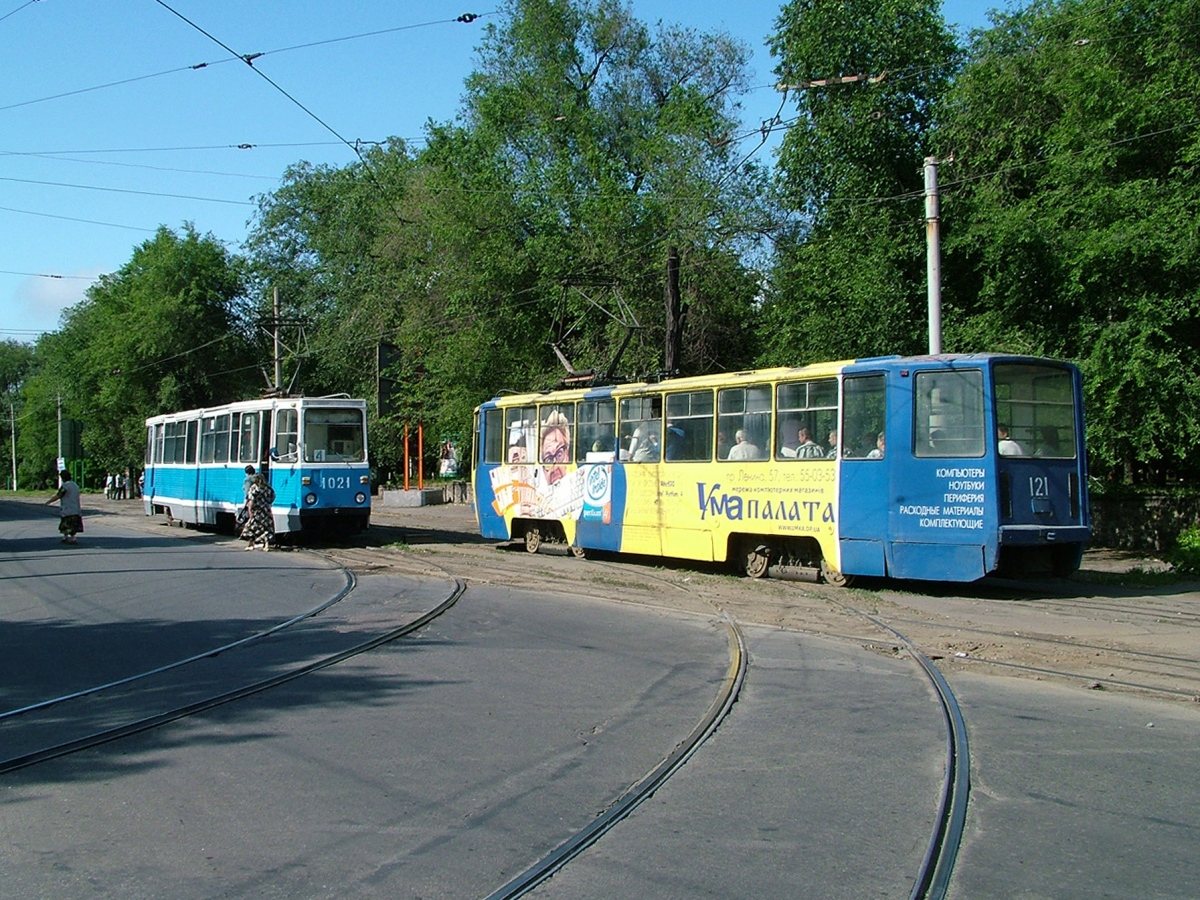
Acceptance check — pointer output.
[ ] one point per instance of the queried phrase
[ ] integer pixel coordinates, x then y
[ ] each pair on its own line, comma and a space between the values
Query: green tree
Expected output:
619, 143
165, 332
1070, 213
586, 147
17, 362
850, 271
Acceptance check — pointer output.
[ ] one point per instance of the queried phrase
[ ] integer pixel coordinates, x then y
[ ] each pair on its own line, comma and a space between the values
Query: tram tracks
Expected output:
121, 725
932, 879
939, 857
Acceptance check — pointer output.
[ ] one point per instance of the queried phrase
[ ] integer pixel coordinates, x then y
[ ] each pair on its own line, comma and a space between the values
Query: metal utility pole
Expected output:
933, 252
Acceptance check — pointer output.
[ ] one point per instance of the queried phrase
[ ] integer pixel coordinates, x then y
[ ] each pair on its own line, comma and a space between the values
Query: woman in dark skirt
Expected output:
70, 522
260, 525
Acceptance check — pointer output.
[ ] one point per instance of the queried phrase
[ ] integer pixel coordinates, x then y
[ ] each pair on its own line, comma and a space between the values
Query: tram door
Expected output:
864, 480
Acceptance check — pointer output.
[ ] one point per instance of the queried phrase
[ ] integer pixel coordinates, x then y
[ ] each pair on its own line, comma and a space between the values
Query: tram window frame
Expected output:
334, 434
640, 420
287, 434
747, 409
190, 442
596, 430
221, 450
864, 415
556, 420
248, 437
690, 426
1040, 414
208, 439
175, 442
949, 415
812, 405
493, 435
520, 426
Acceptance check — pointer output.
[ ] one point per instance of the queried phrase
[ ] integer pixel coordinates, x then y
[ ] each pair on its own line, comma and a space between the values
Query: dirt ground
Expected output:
1122, 623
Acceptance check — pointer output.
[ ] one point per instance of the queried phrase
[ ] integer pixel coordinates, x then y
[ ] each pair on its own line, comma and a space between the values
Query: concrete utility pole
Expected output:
674, 315
278, 351
933, 252
12, 423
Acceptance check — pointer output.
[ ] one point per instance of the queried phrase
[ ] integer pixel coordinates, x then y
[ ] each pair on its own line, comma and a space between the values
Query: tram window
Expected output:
181, 431
248, 442
521, 424
208, 439
287, 434
174, 442
221, 452
864, 414
811, 405
158, 442
189, 449
948, 414
1037, 403
690, 426
235, 430
333, 435
641, 428
596, 431
745, 411
493, 436
557, 426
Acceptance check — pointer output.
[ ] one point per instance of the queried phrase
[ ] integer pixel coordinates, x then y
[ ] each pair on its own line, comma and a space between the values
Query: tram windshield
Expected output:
1035, 411
333, 435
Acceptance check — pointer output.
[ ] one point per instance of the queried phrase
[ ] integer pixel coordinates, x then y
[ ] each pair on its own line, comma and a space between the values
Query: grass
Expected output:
1135, 577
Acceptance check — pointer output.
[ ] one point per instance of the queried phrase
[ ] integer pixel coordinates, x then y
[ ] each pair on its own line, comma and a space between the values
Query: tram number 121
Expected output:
1039, 486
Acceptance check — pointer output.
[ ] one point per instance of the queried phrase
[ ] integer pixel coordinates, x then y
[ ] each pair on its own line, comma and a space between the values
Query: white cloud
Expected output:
37, 303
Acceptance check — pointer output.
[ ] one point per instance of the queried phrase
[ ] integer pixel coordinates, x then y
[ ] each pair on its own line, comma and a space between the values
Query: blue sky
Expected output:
107, 132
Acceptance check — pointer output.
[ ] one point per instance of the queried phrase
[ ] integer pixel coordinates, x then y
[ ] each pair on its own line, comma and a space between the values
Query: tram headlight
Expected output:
310, 499
360, 498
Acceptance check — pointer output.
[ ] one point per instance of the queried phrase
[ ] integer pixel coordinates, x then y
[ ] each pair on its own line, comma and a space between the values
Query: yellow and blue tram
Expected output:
942, 468
313, 450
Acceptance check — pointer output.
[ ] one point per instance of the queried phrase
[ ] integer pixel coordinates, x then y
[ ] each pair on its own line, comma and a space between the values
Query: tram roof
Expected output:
261, 404
779, 373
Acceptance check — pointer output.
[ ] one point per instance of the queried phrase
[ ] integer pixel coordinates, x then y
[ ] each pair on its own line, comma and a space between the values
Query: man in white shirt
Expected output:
743, 449
1006, 445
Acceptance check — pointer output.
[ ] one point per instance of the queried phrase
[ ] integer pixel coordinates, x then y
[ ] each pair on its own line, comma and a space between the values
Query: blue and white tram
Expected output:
312, 449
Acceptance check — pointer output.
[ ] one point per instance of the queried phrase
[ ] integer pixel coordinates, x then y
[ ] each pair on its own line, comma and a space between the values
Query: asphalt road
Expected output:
442, 764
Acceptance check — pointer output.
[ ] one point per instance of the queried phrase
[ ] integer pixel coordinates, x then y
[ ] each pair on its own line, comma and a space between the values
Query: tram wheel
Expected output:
578, 552
830, 575
533, 538
756, 560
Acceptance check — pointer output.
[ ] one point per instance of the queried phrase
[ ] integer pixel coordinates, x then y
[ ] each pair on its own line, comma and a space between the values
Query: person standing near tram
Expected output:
260, 525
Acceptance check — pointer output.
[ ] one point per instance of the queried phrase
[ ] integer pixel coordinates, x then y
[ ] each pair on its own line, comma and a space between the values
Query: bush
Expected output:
1185, 555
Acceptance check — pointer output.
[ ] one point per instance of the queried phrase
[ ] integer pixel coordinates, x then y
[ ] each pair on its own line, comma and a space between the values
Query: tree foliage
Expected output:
589, 145
160, 334
586, 147
849, 277
1071, 212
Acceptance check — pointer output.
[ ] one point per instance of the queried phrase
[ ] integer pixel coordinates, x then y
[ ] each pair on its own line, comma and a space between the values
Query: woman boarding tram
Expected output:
940, 499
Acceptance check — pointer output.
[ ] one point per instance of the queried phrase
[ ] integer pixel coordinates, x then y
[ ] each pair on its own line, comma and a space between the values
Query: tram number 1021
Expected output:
333, 482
